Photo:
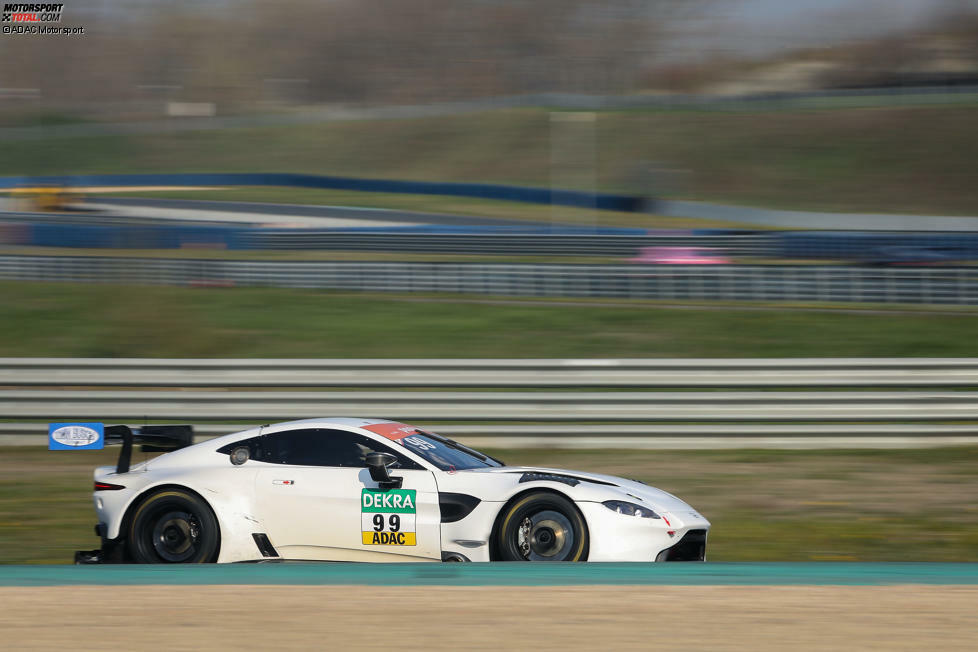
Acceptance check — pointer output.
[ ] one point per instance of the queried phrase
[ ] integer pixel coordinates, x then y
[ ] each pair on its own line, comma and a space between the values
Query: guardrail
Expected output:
36, 230
495, 406
501, 244
801, 283
652, 436
767, 373
199, 392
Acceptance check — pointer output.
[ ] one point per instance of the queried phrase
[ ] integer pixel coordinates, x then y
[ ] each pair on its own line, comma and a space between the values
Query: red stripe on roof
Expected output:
391, 430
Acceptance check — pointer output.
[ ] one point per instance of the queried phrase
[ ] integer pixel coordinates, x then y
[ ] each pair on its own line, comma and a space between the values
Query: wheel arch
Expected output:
147, 492
497, 520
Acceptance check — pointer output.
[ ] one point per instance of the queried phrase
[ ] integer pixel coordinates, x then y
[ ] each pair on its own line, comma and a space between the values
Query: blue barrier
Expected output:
854, 246
165, 236
599, 201
130, 237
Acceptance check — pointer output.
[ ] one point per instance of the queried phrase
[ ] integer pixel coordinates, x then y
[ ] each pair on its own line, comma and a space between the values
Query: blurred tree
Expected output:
372, 51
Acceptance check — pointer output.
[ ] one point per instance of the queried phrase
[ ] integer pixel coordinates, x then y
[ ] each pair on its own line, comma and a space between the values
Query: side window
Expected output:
319, 447
316, 447
257, 449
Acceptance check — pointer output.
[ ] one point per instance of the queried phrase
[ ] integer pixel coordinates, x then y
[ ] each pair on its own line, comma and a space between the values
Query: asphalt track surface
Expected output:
192, 212
366, 215
669, 208
250, 214
501, 574
815, 220
93, 218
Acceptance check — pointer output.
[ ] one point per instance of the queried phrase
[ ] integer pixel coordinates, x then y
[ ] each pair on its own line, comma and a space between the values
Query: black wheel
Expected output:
542, 527
173, 527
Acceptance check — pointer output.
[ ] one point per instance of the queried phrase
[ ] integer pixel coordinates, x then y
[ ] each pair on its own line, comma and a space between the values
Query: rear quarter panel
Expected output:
229, 491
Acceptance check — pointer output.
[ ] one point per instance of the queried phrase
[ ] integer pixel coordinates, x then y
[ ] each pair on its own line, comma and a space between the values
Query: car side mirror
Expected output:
379, 473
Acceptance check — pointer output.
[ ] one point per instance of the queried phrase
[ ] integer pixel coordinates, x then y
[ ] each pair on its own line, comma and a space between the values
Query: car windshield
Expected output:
446, 454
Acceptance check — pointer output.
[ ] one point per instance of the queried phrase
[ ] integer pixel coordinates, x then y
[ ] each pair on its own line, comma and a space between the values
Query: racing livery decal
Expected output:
389, 517
395, 431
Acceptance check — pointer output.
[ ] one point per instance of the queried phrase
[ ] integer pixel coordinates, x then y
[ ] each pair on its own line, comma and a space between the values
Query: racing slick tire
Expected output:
173, 526
542, 526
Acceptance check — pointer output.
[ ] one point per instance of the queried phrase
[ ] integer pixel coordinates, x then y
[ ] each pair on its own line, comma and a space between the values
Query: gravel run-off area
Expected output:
544, 618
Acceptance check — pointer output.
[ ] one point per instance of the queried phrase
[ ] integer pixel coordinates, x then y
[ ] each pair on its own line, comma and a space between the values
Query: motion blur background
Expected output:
580, 182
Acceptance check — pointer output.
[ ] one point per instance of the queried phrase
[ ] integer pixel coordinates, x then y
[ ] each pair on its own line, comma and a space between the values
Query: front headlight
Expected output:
629, 509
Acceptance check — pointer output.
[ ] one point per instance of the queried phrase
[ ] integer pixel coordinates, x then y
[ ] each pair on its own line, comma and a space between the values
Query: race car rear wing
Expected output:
154, 439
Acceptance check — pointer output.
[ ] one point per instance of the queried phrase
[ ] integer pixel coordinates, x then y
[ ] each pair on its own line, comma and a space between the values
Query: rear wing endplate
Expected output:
154, 439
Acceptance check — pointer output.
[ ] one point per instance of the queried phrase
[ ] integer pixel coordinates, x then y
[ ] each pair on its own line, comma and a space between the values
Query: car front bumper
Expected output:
615, 537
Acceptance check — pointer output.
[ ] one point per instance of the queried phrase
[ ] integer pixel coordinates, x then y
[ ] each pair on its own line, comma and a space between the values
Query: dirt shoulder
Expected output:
308, 617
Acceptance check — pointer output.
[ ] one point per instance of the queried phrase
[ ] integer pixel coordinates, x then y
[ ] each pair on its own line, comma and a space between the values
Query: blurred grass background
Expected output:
51, 319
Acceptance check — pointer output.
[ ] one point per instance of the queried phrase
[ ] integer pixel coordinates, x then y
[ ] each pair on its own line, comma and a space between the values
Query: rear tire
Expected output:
542, 527
174, 526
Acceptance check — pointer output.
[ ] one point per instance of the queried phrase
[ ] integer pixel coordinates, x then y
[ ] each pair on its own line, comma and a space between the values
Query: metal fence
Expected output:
551, 244
628, 373
568, 406
653, 436
802, 283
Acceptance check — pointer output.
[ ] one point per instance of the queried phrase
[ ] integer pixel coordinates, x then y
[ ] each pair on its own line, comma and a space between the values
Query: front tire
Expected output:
542, 527
173, 526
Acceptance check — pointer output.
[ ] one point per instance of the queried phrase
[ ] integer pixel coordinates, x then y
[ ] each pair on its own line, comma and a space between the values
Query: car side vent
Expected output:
551, 477
570, 480
265, 546
455, 507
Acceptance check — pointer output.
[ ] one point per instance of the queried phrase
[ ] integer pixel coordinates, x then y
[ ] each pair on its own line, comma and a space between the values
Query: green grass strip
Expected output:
48, 319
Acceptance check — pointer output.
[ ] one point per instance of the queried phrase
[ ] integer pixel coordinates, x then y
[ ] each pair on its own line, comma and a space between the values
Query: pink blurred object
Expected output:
679, 256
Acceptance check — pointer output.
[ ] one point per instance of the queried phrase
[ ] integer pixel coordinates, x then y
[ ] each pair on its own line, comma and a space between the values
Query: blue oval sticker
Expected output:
75, 436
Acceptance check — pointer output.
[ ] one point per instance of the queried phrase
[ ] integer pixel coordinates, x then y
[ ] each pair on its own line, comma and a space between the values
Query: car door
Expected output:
316, 499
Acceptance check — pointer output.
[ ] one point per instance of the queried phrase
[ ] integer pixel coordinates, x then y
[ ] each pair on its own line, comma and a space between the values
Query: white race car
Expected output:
342, 489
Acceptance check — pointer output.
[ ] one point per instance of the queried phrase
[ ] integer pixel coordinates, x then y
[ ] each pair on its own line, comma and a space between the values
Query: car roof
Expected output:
317, 422
328, 421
